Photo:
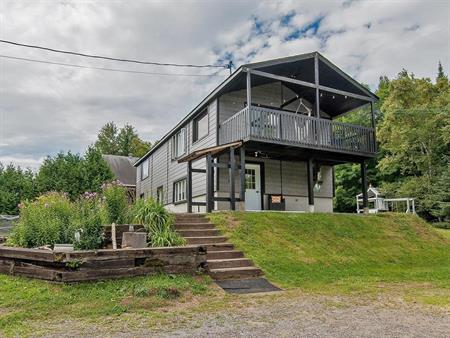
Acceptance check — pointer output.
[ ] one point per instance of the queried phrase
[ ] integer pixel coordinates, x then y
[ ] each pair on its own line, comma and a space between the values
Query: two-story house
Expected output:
265, 139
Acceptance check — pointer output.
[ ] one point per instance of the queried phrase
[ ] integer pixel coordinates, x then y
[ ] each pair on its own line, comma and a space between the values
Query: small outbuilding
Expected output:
124, 171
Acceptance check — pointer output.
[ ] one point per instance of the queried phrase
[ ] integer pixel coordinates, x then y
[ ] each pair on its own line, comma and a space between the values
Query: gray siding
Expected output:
164, 171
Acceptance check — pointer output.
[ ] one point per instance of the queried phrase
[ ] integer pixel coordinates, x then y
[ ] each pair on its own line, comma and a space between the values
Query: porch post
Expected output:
232, 169
189, 187
209, 184
249, 88
316, 81
310, 174
372, 114
242, 177
364, 187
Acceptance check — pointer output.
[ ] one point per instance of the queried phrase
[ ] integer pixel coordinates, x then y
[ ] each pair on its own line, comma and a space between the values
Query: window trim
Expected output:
174, 144
160, 188
195, 138
184, 178
142, 169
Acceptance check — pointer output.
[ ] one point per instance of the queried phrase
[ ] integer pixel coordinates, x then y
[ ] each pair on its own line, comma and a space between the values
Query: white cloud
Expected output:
45, 108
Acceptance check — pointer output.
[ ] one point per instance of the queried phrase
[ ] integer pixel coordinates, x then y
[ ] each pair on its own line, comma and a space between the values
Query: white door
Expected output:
252, 186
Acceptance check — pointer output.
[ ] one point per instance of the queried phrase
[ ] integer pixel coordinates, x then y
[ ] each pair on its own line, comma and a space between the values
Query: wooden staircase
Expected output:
224, 262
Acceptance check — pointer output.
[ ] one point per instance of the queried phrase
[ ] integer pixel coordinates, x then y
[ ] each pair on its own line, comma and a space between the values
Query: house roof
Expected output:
122, 167
298, 66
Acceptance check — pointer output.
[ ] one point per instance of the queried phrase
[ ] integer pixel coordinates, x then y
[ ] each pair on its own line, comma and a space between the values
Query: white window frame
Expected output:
179, 191
195, 123
179, 144
145, 169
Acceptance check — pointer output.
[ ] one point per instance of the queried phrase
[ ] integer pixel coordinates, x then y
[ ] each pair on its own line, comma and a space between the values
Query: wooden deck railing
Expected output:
281, 127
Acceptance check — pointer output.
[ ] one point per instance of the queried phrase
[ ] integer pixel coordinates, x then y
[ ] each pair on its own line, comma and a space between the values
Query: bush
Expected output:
53, 219
88, 225
46, 221
158, 222
116, 205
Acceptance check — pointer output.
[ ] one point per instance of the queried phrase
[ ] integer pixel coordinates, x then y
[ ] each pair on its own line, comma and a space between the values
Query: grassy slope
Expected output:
316, 251
445, 232
25, 301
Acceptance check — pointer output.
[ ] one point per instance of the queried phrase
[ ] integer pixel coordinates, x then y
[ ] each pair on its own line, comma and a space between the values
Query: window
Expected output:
179, 144
179, 191
200, 129
144, 170
250, 179
160, 195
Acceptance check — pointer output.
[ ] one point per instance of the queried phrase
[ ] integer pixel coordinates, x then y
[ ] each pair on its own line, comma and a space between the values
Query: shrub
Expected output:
158, 223
46, 221
88, 225
116, 204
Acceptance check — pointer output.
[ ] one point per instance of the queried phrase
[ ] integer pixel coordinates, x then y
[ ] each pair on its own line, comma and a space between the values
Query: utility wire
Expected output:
113, 59
104, 68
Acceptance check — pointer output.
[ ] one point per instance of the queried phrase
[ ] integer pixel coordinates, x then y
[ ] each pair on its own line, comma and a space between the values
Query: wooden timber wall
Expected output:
80, 266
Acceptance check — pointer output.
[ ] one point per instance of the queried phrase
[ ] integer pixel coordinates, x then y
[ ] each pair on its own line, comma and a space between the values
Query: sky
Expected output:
46, 108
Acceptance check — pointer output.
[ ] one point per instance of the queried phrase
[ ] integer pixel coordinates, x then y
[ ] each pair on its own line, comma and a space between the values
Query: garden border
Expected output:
91, 265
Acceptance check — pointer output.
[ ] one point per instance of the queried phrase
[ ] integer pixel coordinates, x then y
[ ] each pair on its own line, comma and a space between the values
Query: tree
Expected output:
95, 170
123, 142
15, 185
107, 139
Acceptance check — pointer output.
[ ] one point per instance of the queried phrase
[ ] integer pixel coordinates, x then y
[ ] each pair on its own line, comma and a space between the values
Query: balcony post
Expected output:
364, 187
249, 88
231, 169
189, 187
209, 184
310, 175
242, 177
316, 82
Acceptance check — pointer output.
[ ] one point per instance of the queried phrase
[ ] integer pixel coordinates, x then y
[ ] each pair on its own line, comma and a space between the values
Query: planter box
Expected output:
79, 266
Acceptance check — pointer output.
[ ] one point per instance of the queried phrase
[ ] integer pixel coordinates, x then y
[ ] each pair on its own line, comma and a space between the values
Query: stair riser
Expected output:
224, 255
212, 240
222, 275
196, 226
213, 247
198, 233
230, 264
191, 219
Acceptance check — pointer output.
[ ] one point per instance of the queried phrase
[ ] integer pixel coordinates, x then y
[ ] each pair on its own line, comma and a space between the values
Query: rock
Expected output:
135, 240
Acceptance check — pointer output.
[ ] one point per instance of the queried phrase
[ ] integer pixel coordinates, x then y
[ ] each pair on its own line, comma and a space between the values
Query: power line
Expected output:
111, 58
104, 68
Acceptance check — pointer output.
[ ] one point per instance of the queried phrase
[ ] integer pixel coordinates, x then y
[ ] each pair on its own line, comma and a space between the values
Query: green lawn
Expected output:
341, 252
25, 302
445, 232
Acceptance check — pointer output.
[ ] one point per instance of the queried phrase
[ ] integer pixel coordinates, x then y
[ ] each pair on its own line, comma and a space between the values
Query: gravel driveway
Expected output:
296, 316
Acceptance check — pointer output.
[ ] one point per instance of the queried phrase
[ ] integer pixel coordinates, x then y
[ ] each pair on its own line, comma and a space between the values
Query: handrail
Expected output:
289, 128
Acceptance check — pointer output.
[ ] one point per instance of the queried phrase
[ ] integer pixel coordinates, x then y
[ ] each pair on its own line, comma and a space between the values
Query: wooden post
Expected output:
372, 114
242, 177
113, 236
232, 169
189, 187
310, 174
209, 184
364, 187
249, 88
316, 81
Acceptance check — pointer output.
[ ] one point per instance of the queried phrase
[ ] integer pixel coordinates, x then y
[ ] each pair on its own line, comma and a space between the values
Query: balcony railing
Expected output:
281, 127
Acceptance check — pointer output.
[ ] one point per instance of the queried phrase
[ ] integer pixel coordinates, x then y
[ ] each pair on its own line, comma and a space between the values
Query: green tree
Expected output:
95, 169
15, 185
123, 142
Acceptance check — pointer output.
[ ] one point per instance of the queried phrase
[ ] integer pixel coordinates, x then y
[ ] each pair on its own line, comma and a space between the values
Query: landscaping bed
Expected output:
89, 265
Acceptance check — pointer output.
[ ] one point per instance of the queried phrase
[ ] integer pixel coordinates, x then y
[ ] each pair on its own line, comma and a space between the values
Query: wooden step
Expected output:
228, 263
235, 273
198, 232
206, 240
194, 225
212, 247
224, 254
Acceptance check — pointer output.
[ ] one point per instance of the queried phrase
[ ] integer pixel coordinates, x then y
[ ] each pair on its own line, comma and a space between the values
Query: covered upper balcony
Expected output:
313, 94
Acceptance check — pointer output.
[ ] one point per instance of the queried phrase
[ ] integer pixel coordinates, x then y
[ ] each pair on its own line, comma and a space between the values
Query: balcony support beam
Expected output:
310, 174
316, 80
249, 88
310, 85
364, 187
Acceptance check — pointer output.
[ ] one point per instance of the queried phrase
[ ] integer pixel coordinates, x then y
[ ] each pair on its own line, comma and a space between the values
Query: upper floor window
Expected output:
179, 144
200, 128
144, 170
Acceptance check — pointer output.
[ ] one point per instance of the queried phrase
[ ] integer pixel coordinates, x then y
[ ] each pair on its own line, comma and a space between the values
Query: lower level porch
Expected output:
256, 176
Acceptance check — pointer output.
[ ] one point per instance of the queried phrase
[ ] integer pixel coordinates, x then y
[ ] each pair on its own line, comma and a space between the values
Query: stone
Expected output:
134, 240
63, 248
